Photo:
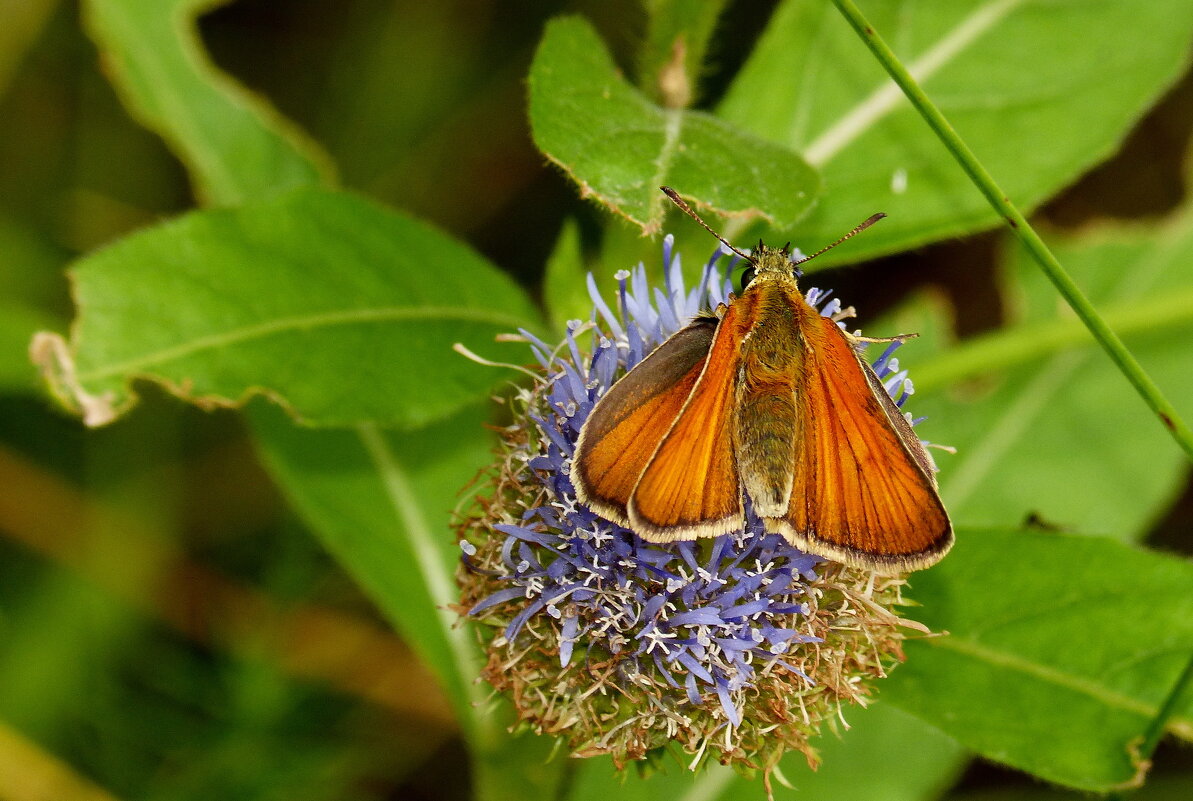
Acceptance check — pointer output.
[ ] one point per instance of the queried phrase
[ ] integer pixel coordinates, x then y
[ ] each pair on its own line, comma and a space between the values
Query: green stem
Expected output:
1068, 289
1008, 347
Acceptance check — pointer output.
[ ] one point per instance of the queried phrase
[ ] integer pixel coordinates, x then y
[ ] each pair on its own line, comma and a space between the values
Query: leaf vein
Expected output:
303, 322
671, 130
888, 96
1045, 673
402, 498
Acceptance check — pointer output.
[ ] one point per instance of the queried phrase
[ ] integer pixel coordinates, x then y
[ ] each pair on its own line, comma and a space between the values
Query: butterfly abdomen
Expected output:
767, 417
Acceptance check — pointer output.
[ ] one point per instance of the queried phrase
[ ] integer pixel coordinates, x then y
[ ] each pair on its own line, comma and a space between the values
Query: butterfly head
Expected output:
769, 264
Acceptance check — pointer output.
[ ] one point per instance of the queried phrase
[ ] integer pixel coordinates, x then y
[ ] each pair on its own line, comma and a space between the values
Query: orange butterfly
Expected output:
765, 399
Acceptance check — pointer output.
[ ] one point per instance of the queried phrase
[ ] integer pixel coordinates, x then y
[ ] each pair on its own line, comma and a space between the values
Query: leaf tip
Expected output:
51, 355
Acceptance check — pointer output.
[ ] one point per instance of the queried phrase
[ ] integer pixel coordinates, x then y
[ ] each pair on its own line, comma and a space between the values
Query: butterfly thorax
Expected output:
775, 315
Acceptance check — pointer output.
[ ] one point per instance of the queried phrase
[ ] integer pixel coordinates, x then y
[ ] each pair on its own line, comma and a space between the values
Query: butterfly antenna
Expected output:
860, 227
686, 209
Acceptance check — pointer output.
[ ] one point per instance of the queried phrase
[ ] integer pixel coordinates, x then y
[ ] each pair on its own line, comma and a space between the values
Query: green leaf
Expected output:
1040, 92
340, 309
1059, 433
905, 759
619, 147
380, 502
1060, 650
1162, 787
234, 144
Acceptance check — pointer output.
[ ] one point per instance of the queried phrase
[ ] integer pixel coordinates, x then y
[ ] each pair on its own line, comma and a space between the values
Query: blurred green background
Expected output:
168, 628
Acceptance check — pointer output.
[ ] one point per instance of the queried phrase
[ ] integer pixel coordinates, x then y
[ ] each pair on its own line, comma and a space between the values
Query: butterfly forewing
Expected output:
863, 492
690, 487
627, 424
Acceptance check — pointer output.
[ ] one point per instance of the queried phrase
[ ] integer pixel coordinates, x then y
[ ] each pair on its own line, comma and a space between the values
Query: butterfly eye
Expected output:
747, 276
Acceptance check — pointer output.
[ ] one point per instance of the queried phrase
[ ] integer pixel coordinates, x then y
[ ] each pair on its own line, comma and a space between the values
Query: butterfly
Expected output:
764, 399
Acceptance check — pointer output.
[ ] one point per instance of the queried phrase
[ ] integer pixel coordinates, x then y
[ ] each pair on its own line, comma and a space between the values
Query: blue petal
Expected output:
567, 641
501, 596
536, 606
735, 645
731, 711
690, 685
528, 535
704, 616
658, 661
602, 307
556, 438
694, 667
636, 352
653, 605
667, 316
746, 609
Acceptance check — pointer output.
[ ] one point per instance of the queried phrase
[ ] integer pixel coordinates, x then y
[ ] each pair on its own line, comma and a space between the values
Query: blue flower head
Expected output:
737, 647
